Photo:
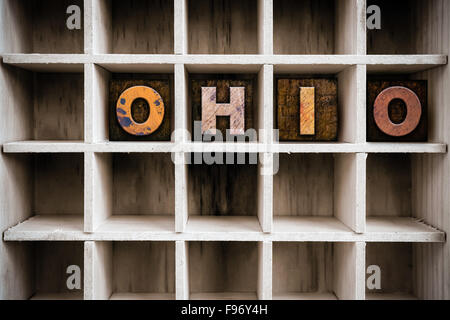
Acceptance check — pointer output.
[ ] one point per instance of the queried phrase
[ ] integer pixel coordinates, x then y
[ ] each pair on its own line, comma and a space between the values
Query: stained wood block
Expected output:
307, 109
225, 88
397, 110
140, 108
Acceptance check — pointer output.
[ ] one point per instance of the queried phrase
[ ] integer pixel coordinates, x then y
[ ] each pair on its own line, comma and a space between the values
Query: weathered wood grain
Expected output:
396, 263
312, 178
143, 267
222, 190
50, 272
49, 29
302, 267
222, 27
235, 266
143, 184
304, 27
58, 106
142, 26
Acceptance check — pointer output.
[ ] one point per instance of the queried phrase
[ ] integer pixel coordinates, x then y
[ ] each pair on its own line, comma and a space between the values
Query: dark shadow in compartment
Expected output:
406, 27
42, 26
142, 26
143, 268
304, 26
58, 184
222, 27
223, 189
51, 263
389, 185
223, 267
395, 262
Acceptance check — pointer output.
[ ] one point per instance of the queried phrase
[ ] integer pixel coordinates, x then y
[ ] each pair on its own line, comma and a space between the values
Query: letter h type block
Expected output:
235, 110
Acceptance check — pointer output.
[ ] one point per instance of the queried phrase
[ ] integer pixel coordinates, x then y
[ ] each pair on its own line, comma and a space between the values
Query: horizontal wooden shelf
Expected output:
135, 227
207, 228
223, 296
225, 63
304, 296
48, 62
46, 228
369, 147
35, 146
163, 147
58, 296
394, 229
390, 296
239, 226
142, 296
291, 228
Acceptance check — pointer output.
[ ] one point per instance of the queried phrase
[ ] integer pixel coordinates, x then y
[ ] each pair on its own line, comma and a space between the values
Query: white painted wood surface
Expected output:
61, 178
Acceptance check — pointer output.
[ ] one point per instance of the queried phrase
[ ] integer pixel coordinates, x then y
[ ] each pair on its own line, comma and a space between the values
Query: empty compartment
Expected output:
134, 27
392, 271
389, 185
141, 270
222, 27
223, 197
303, 271
50, 106
312, 178
223, 270
42, 26
49, 187
407, 27
396, 191
304, 26
58, 184
325, 193
314, 270
58, 106
55, 270
136, 190
143, 184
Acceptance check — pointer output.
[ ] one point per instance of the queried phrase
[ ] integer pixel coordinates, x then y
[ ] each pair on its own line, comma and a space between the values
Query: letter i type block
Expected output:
307, 109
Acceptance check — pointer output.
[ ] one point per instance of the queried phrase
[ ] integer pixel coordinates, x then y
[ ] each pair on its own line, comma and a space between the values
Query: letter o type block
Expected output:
397, 110
123, 110
381, 112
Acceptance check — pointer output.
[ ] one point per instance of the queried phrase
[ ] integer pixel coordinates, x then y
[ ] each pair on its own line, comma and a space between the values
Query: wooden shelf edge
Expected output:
158, 228
165, 62
76, 146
